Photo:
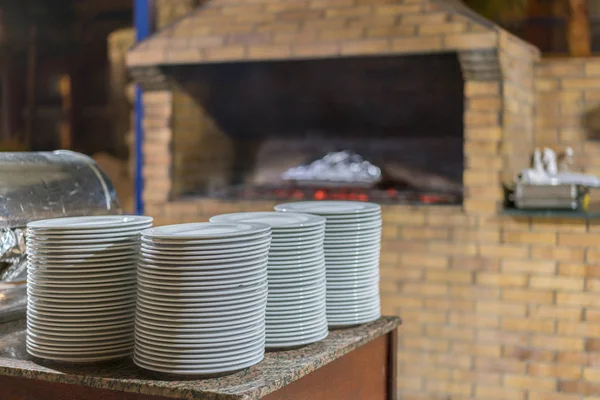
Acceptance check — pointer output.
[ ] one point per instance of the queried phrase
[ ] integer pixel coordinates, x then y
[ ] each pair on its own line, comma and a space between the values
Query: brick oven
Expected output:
494, 306
243, 91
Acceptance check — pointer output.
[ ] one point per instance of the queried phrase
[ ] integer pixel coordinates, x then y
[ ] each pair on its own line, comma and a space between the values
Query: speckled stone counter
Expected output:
277, 370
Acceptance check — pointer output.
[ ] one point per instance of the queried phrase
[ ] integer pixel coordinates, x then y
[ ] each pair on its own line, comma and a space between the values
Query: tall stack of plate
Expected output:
296, 273
81, 282
352, 247
202, 293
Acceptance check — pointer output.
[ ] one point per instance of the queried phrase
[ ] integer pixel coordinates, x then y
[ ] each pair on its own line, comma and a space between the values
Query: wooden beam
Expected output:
578, 33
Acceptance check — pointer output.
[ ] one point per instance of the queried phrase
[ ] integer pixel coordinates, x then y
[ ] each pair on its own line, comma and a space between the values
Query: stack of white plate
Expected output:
81, 282
296, 273
352, 247
202, 292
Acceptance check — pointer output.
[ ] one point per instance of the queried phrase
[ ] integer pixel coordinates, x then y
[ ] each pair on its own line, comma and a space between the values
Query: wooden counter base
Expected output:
367, 373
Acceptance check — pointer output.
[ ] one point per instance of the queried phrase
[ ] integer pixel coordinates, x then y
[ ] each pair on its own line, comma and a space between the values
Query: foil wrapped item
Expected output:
342, 167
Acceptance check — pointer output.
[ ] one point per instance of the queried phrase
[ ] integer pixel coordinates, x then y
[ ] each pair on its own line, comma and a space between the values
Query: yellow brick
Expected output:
469, 319
526, 382
482, 118
452, 248
489, 350
439, 303
593, 256
448, 388
415, 44
355, 11
425, 344
410, 383
449, 276
583, 83
527, 325
533, 267
558, 283
477, 88
577, 299
385, 30
501, 308
479, 178
498, 393
442, 28
528, 296
503, 251
592, 285
476, 235
570, 328
224, 53
316, 49
472, 292
269, 51
459, 220
424, 233
552, 396
341, 34
404, 218
565, 254
425, 289
554, 343
530, 238
483, 133
396, 9
483, 207
423, 261
591, 374
482, 148
553, 370
581, 240
485, 103
419, 317
450, 332
390, 231
560, 225
574, 270
365, 46
555, 313
503, 280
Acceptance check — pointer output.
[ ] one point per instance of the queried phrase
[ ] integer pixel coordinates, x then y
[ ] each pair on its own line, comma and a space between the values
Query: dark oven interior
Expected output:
402, 114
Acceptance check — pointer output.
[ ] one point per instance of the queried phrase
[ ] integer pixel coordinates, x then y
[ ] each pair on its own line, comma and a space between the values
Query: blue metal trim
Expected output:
142, 24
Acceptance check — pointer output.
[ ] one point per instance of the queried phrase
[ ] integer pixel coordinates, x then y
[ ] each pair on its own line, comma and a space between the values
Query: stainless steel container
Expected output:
571, 197
55, 184
36, 186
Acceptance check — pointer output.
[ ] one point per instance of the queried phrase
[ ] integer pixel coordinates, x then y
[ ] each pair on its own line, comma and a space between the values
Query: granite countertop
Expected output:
277, 370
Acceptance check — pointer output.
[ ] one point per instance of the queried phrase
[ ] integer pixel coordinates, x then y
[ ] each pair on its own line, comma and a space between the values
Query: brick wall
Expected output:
494, 307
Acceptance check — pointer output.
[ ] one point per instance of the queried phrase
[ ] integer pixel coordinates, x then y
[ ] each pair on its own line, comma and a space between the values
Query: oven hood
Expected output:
237, 30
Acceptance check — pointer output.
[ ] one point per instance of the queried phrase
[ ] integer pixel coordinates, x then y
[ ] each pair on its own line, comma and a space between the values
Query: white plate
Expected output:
297, 263
74, 341
306, 247
280, 344
83, 258
79, 360
211, 363
304, 271
225, 335
69, 275
351, 231
162, 303
273, 219
349, 318
115, 302
177, 274
304, 234
357, 239
204, 230
177, 349
297, 326
297, 280
87, 350
78, 334
87, 234
224, 340
208, 318
278, 310
301, 317
225, 310
83, 311
82, 262
35, 242
299, 336
329, 207
165, 244
87, 296
197, 371
87, 284
59, 316
190, 296
89, 223
369, 246
63, 328
206, 325
214, 284
102, 289
306, 240
210, 256
192, 353
198, 356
